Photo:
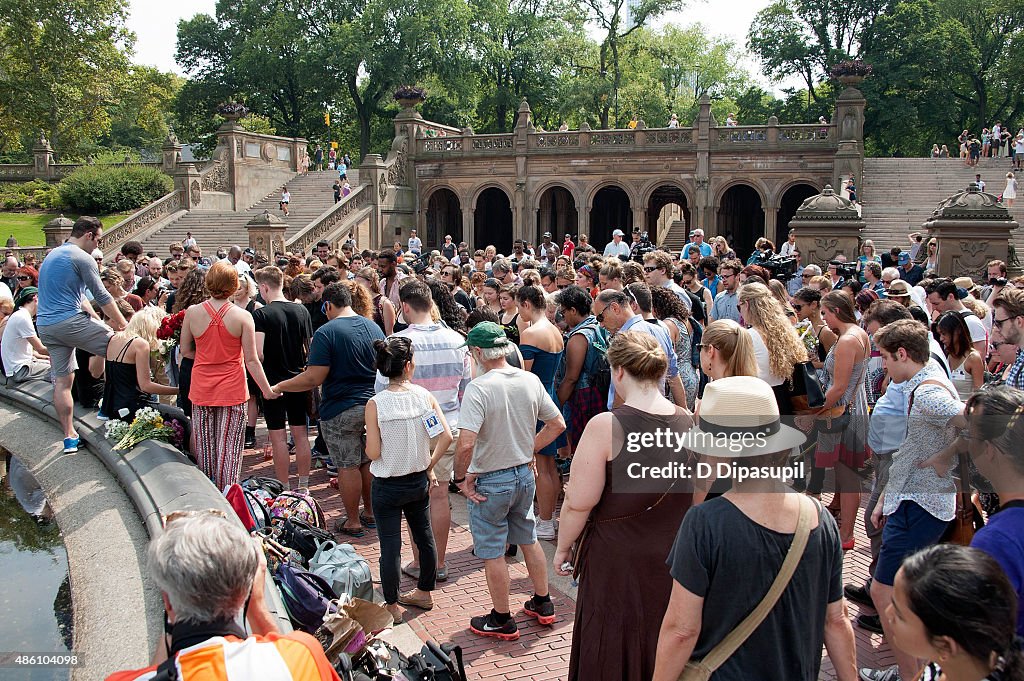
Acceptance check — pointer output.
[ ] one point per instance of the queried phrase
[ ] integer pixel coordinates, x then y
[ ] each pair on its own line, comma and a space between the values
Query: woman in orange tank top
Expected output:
222, 340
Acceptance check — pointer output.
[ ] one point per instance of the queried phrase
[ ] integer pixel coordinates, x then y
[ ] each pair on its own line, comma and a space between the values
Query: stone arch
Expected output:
740, 215
474, 196
660, 195
443, 214
557, 211
789, 199
610, 205
604, 184
492, 218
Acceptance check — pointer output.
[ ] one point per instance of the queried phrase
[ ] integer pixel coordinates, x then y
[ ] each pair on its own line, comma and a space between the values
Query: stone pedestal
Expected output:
827, 225
187, 183
972, 228
849, 124
373, 171
57, 231
42, 158
171, 154
266, 235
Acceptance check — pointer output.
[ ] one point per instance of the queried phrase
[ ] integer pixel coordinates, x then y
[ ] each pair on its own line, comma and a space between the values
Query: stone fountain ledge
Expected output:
108, 505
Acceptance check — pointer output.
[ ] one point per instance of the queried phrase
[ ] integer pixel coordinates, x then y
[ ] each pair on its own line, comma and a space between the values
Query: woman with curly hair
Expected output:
669, 309
362, 303
776, 345
294, 267
192, 292
451, 313
384, 314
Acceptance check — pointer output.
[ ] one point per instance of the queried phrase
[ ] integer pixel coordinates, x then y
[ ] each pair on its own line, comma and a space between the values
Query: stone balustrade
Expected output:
141, 220
332, 223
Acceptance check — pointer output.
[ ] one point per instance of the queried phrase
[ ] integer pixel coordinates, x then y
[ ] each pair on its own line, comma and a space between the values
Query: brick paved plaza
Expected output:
541, 652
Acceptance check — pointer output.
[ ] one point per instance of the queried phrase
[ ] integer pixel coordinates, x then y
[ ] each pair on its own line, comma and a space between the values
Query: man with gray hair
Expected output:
498, 441
210, 572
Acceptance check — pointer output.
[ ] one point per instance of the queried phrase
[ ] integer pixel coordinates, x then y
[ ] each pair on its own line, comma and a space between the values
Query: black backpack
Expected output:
697, 310
271, 486
303, 537
695, 337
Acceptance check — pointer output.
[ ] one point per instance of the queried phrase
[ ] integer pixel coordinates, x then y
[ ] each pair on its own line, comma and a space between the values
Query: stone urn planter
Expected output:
850, 72
408, 97
233, 111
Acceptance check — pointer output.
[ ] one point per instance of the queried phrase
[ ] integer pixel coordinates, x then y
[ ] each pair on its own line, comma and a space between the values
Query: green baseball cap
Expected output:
486, 335
23, 295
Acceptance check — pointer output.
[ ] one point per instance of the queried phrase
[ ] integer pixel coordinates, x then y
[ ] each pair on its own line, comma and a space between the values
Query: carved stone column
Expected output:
704, 211
848, 123
187, 182
972, 228
171, 154
42, 157
57, 231
827, 225
372, 171
266, 234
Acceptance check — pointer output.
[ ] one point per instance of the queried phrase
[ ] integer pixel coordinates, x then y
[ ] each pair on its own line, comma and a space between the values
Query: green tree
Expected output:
617, 20
60, 64
140, 116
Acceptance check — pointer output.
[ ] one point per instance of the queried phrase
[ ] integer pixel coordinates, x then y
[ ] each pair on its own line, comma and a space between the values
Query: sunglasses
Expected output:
600, 316
806, 276
796, 306
650, 269
22, 277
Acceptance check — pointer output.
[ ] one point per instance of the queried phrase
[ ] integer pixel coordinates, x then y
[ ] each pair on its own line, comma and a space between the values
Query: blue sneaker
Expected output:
71, 444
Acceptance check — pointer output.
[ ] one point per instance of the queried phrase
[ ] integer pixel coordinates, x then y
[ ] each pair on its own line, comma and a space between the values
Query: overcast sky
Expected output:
156, 23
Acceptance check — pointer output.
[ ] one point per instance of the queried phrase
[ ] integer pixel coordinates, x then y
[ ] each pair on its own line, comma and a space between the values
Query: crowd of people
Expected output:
995, 142
503, 375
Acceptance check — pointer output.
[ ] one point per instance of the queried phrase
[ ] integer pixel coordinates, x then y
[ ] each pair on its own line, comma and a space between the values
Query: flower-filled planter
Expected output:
850, 71
409, 96
233, 110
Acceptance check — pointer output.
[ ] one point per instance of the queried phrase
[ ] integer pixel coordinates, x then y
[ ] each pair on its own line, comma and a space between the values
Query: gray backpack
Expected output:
344, 569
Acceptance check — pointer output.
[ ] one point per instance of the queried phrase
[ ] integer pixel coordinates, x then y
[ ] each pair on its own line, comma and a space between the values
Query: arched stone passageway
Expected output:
666, 204
444, 216
741, 218
557, 213
611, 210
492, 221
791, 200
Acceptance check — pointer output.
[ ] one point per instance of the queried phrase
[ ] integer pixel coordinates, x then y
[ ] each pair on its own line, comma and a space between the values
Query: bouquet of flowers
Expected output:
148, 425
169, 334
807, 337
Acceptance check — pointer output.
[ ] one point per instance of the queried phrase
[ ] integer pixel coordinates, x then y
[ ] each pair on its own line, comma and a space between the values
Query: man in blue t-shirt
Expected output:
342, 359
696, 241
65, 319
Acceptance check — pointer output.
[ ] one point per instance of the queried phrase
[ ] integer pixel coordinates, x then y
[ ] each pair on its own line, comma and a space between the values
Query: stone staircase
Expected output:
311, 195
675, 238
899, 194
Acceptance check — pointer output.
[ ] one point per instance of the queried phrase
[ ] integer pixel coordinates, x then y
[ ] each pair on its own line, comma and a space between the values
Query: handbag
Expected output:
307, 597
834, 420
701, 670
805, 391
344, 569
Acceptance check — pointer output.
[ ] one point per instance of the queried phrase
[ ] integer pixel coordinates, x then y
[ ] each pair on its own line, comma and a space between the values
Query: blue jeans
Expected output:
506, 517
391, 497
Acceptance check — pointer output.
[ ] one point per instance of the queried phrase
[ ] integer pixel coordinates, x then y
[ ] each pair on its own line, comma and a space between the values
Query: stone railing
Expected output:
438, 145
491, 142
137, 222
774, 136
595, 140
554, 140
333, 220
17, 171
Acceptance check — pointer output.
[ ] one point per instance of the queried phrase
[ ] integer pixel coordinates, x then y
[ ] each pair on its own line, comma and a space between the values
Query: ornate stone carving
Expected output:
216, 178
571, 139
443, 144
743, 135
493, 143
702, 183
669, 137
382, 187
196, 193
135, 224
616, 138
804, 133
333, 221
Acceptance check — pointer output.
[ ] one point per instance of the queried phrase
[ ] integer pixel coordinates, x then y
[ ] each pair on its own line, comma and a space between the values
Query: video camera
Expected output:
781, 267
641, 248
846, 270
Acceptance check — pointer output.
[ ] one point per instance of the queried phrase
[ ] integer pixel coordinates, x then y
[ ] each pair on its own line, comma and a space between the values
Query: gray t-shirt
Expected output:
502, 407
66, 273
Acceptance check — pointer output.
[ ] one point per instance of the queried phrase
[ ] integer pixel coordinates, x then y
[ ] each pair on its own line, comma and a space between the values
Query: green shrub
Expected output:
25, 195
95, 190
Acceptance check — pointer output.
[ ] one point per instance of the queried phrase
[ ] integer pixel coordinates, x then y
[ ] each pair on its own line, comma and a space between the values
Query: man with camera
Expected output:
996, 280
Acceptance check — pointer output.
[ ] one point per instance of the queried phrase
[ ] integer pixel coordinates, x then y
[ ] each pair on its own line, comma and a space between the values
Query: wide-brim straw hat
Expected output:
739, 418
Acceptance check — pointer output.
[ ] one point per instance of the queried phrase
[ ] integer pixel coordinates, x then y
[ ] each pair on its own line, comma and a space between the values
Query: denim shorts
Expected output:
506, 517
907, 530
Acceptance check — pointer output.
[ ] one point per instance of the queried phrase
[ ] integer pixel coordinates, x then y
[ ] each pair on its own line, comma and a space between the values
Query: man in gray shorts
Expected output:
65, 319
498, 440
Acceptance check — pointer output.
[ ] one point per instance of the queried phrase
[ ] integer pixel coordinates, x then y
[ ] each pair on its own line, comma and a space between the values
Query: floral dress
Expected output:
848, 446
687, 372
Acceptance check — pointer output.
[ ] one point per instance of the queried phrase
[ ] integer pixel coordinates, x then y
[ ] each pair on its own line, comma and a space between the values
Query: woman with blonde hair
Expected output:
384, 314
867, 255
777, 346
720, 249
932, 259
780, 294
222, 339
621, 562
129, 382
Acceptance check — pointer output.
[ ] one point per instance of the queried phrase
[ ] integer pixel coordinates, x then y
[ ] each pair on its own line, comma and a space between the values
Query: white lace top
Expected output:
405, 443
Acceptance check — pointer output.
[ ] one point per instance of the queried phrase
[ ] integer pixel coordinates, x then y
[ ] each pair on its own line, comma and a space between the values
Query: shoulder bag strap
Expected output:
738, 636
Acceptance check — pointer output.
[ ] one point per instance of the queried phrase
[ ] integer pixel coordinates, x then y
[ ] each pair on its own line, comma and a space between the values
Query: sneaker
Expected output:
872, 623
858, 594
546, 530
486, 625
330, 467
890, 674
71, 444
543, 612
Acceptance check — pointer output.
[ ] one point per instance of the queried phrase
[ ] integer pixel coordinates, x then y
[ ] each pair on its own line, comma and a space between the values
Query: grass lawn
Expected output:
27, 228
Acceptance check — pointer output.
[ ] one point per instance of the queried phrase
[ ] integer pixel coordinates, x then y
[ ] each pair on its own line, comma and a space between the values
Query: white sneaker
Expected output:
546, 530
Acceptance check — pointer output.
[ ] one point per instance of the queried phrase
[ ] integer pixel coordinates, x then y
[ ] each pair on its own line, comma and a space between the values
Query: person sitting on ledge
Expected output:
209, 571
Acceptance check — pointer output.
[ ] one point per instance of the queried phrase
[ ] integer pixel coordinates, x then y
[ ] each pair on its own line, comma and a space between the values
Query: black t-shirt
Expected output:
317, 316
288, 329
462, 298
725, 557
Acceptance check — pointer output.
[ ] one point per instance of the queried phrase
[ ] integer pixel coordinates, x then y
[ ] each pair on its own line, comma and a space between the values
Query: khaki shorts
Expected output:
80, 331
445, 466
345, 435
